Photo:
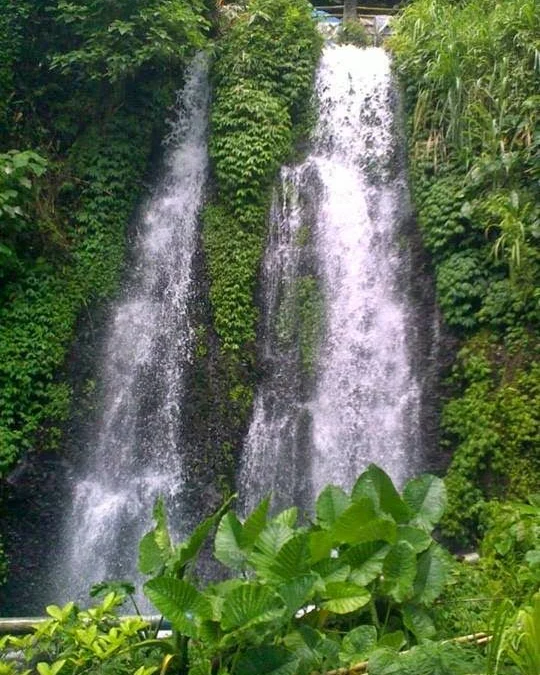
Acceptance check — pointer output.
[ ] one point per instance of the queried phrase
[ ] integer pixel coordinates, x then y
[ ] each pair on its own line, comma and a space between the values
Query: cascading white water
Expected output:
136, 452
362, 402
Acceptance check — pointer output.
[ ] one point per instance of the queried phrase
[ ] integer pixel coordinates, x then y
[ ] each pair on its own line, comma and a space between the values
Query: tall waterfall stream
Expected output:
337, 266
136, 453
344, 344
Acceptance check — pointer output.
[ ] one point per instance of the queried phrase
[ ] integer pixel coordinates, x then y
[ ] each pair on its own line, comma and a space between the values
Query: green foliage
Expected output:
115, 41
18, 171
508, 568
40, 307
353, 33
74, 641
494, 426
300, 320
472, 120
258, 98
359, 583
358, 579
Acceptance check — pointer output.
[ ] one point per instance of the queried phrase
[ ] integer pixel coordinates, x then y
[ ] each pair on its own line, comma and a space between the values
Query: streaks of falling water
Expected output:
361, 404
136, 451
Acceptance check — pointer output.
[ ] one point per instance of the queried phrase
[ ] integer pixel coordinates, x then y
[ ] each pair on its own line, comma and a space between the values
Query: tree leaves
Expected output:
399, 570
356, 554
332, 502
426, 497
180, 602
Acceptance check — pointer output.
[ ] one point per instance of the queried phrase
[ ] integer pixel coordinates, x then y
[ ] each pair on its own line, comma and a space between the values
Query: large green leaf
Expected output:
343, 597
394, 640
320, 544
366, 561
360, 523
418, 622
155, 547
228, 542
161, 530
291, 560
151, 558
188, 550
179, 602
332, 569
358, 644
375, 484
426, 497
418, 538
267, 660
332, 502
305, 643
433, 567
250, 604
287, 517
297, 592
255, 523
399, 570
273, 537
385, 662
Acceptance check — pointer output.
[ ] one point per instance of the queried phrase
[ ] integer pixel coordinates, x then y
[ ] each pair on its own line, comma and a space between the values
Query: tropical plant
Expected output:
94, 641
360, 578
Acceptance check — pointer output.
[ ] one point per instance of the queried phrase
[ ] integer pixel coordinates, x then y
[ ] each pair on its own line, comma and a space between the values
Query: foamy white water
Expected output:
136, 453
362, 402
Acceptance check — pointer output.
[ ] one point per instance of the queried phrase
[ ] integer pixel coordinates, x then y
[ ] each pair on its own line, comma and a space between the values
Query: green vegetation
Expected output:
361, 584
83, 91
301, 318
470, 72
261, 106
258, 100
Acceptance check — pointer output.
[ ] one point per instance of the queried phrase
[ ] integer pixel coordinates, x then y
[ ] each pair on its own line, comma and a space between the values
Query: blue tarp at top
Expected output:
320, 15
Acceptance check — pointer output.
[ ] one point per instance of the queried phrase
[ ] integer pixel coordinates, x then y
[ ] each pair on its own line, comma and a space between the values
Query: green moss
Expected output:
38, 320
257, 102
300, 319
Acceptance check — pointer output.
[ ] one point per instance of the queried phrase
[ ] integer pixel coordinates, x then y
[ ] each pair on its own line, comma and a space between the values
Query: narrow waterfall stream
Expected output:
341, 388
136, 452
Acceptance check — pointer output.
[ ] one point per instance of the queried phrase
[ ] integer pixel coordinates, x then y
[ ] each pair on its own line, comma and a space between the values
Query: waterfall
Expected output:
341, 386
136, 451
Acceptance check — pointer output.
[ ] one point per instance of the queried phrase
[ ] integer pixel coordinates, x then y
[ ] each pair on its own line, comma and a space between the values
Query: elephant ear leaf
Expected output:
426, 497
248, 605
375, 484
332, 502
433, 567
267, 660
228, 542
189, 549
155, 547
255, 523
345, 597
180, 602
399, 570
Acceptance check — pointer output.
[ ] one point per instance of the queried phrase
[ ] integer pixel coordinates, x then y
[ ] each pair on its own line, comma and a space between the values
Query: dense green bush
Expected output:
114, 41
472, 119
258, 98
360, 585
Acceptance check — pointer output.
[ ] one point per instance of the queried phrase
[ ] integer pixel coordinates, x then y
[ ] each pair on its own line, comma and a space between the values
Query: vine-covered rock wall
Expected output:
263, 73
470, 73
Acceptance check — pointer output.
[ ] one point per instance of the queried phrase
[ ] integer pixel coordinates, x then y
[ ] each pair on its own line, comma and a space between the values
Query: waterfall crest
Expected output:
136, 451
337, 219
